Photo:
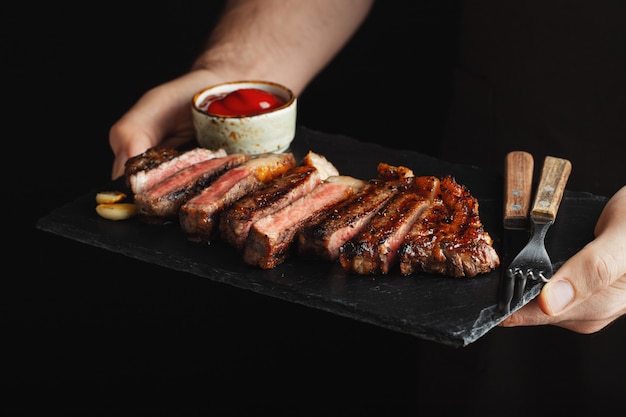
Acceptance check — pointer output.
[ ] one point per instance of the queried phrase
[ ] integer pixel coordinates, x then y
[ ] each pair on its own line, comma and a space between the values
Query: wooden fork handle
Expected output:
518, 180
554, 175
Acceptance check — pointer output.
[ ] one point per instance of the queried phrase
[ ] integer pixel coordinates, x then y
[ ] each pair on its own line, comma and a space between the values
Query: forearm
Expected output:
286, 41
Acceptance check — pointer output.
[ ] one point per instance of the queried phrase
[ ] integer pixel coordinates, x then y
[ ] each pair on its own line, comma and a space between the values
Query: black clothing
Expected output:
546, 77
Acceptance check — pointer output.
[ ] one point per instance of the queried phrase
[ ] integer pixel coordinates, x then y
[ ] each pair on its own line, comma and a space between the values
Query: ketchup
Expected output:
244, 102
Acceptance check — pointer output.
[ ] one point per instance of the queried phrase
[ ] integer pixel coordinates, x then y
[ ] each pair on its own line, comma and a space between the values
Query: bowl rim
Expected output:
291, 97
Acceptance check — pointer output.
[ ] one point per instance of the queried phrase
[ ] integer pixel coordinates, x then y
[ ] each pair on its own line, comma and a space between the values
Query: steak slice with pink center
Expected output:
270, 239
164, 199
374, 249
145, 179
322, 238
236, 220
199, 216
148, 160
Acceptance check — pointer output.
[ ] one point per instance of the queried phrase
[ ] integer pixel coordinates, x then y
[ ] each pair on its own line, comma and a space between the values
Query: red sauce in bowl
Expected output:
244, 102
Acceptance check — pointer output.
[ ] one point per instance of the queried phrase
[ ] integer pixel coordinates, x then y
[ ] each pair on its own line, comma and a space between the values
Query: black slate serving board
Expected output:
452, 311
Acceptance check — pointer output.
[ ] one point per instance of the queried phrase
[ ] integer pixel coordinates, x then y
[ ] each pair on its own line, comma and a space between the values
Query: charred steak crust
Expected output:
270, 240
279, 193
442, 234
199, 216
322, 238
373, 250
164, 199
388, 172
421, 224
449, 238
236, 220
145, 179
147, 160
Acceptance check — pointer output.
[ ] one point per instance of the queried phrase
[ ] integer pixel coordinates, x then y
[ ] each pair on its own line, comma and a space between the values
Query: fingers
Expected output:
161, 115
593, 270
613, 217
139, 129
580, 320
118, 165
588, 292
126, 141
584, 274
584, 295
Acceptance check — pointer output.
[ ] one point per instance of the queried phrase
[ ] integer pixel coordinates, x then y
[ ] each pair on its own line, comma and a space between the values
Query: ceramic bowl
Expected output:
270, 130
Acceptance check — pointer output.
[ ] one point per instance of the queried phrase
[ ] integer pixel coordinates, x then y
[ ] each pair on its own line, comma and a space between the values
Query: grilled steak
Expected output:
325, 168
270, 239
148, 160
199, 216
373, 250
268, 208
163, 200
427, 186
388, 172
235, 222
166, 164
323, 237
449, 237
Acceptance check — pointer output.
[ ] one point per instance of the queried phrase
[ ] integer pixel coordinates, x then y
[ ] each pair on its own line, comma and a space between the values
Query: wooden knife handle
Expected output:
518, 181
554, 175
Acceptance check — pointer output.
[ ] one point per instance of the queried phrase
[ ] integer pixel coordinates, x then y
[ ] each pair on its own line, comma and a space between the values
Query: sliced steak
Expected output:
236, 220
388, 172
449, 237
270, 239
374, 249
325, 167
199, 216
148, 160
323, 237
164, 199
427, 186
418, 253
144, 179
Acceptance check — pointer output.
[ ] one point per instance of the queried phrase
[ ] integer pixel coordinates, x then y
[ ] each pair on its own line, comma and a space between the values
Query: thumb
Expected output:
596, 267
590, 271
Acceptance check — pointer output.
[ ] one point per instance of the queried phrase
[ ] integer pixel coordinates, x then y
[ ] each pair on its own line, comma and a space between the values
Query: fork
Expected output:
533, 261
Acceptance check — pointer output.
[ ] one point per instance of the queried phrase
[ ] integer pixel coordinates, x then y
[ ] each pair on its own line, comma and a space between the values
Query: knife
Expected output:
518, 178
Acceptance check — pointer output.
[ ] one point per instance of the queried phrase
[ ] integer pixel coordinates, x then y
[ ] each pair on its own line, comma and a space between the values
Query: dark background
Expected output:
91, 332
